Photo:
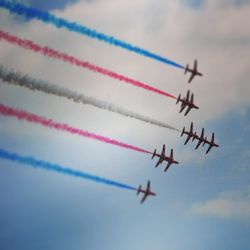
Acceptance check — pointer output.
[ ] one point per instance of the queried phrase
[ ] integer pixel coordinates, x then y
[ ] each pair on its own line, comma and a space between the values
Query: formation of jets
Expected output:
162, 157
200, 138
186, 102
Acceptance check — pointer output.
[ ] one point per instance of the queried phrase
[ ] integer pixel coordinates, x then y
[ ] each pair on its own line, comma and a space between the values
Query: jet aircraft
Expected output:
210, 143
193, 71
163, 157
200, 138
186, 102
189, 133
146, 192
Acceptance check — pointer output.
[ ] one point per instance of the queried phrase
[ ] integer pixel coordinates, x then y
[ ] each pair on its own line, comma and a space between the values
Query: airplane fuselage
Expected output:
213, 144
166, 158
195, 72
188, 103
147, 192
189, 133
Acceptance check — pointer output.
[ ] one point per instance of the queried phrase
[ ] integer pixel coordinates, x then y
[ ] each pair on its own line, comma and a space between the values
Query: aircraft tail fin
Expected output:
191, 127
139, 190
154, 154
183, 131
186, 69
178, 99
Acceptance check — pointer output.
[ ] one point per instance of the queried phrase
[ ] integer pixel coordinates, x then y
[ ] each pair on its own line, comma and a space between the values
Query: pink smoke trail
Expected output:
27, 44
49, 123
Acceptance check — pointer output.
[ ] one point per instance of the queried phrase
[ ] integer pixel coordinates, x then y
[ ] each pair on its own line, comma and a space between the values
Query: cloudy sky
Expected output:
203, 203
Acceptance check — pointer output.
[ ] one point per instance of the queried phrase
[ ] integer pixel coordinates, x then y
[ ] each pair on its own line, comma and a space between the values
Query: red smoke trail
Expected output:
27, 44
22, 115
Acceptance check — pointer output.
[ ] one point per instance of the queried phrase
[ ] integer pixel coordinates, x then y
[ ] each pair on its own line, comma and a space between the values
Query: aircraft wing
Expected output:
191, 77
195, 65
171, 154
209, 148
159, 162
144, 197
167, 167
163, 150
183, 106
192, 99
187, 140
212, 140
187, 96
148, 186
198, 144
187, 111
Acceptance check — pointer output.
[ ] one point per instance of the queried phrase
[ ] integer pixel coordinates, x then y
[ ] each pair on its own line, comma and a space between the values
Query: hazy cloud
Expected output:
227, 205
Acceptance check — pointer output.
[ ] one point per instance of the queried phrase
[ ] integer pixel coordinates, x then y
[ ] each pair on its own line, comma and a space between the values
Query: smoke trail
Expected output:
16, 78
27, 44
49, 123
46, 17
57, 168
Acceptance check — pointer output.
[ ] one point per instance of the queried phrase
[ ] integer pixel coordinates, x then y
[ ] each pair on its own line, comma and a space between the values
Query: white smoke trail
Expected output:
15, 78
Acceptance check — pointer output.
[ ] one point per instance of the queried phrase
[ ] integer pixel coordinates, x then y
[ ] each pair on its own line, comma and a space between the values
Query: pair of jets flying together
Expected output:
201, 139
162, 157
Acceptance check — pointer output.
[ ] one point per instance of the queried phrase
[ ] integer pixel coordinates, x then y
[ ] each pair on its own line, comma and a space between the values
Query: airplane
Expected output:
193, 71
199, 138
186, 102
190, 133
210, 143
163, 157
146, 192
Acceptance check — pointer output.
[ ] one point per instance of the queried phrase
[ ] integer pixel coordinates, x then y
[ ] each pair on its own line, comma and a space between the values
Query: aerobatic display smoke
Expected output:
32, 13
49, 123
27, 44
26, 81
60, 169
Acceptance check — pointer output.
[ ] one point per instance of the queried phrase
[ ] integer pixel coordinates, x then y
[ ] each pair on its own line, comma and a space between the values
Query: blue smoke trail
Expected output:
57, 168
32, 13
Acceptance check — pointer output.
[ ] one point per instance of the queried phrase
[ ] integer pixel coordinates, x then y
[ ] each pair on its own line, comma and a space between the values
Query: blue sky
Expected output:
48, 5
203, 203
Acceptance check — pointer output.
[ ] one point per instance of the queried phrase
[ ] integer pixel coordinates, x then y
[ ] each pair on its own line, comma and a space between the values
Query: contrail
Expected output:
60, 169
32, 13
15, 78
49, 123
27, 44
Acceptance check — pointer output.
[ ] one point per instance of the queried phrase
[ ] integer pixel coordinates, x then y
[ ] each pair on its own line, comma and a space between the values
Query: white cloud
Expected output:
212, 35
227, 205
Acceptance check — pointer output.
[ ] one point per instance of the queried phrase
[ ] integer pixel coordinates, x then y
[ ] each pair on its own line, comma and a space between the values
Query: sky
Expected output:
202, 203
